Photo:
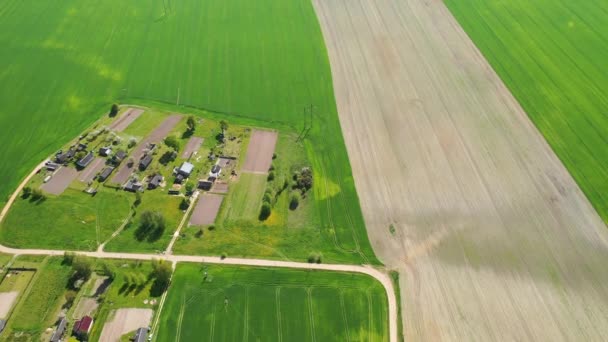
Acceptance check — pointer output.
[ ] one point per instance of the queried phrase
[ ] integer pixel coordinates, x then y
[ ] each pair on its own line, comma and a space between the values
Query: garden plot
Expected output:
206, 209
124, 321
156, 136
459, 190
126, 119
60, 180
193, 145
88, 175
260, 151
7, 299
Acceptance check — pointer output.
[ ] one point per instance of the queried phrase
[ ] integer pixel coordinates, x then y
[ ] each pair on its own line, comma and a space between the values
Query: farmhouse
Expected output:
105, 173
105, 151
64, 157
119, 157
86, 160
141, 335
60, 330
186, 169
83, 326
145, 162
155, 181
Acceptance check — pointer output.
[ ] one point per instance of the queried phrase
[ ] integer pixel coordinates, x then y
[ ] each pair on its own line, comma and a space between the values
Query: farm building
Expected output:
64, 157
119, 156
145, 162
186, 169
105, 151
179, 179
83, 326
155, 181
86, 160
141, 335
205, 184
58, 334
105, 173
50, 166
81, 147
133, 185
215, 171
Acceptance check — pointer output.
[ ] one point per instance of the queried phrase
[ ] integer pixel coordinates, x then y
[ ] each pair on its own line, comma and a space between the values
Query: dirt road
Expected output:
459, 191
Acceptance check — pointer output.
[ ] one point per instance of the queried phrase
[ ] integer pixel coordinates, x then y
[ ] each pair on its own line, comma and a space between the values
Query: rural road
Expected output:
383, 278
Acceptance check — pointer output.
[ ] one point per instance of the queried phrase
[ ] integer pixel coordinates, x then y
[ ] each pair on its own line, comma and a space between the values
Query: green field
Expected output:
258, 304
552, 55
256, 63
39, 308
72, 221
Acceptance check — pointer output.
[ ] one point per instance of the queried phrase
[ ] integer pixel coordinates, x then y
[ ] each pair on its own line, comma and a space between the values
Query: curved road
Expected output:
383, 278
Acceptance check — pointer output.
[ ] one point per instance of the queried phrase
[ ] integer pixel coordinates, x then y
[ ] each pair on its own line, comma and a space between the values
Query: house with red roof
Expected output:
83, 326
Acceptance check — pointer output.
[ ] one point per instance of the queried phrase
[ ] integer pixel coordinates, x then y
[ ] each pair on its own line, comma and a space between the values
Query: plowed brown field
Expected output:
493, 238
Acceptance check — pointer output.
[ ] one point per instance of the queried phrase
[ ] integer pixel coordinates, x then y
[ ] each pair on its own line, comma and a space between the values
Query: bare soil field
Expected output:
206, 209
219, 187
124, 321
126, 119
85, 306
7, 299
460, 193
60, 180
192, 146
92, 170
123, 173
259, 151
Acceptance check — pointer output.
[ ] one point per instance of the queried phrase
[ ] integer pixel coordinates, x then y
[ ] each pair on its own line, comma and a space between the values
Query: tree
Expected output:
151, 226
69, 298
82, 267
294, 200
223, 125
189, 187
132, 142
265, 211
191, 123
161, 272
108, 270
27, 192
303, 179
172, 142
270, 176
37, 195
68, 258
137, 199
114, 110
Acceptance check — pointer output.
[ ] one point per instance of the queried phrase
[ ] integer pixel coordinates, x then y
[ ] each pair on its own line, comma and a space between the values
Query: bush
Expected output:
191, 123
27, 192
184, 204
199, 233
172, 142
314, 258
211, 227
270, 176
265, 211
189, 187
37, 195
274, 156
132, 142
151, 227
114, 110
294, 200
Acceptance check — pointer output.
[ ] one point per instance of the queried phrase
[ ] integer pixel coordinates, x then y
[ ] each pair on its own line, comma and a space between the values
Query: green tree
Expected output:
82, 267
151, 226
161, 272
191, 123
114, 110
172, 142
265, 211
223, 125
27, 192
294, 200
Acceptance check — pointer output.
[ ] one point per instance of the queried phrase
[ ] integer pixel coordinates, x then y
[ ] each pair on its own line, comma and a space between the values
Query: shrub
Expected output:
270, 176
151, 227
191, 123
199, 233
274, 156
172, 142
114, 110
27, 192
184, 204
265, 211
294, 200
189, 187
211, 227
132, 142
314, 258
37, 195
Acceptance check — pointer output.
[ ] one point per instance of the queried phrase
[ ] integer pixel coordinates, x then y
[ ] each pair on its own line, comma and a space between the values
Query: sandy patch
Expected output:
126, 119
124, 321
60, 180
206, 209
192, 146
493, 238
85, 307
89, 173
260, 151
7, 299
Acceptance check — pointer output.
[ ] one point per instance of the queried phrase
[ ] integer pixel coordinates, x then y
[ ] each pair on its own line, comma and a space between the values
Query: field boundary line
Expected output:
277, 294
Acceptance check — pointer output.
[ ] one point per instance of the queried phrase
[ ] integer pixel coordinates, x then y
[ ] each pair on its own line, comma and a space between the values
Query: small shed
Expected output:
133, 185
86, 160
205, 184
105, 173
83, 326
58, 334
145, 162
215, 171
155, 181
119, 156
64, 157
105, 151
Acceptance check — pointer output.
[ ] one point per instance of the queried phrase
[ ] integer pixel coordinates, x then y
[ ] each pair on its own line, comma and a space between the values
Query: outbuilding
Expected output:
155, 181
119, 156
141, 335
105, 173
83, 326
58, 334
105, 151
145, 162
215, 171
186, 169
86, 160
205, 184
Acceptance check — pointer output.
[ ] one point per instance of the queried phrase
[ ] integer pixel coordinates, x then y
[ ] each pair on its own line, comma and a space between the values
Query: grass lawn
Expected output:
4, 259
154, 201
145, 123
38, 310
244, 201
241, 303
552, 55
72, 221
256, 63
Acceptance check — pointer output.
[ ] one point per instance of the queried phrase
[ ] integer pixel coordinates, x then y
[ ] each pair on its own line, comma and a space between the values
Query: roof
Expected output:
216, 169
186, 168
120, 154
145, 161
86, 160
105, 173
60, 330
83, 325
2, 324
141, 335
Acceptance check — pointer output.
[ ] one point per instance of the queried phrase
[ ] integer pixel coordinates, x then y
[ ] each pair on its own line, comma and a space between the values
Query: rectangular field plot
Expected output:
60, 180
126, 119
260, 150
232, 303
206, 209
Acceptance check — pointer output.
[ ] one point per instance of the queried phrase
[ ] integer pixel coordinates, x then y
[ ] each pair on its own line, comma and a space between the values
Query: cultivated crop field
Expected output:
251, 63
552, 56
229, 303
459, 190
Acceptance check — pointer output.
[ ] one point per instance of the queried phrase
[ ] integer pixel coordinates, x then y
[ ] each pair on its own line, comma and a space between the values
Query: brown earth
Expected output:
192, 146
7, 299
126, 119
92, 170
124, 321
491, 235
60, 180
124, 172
259, 151
206, 209
220, 187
